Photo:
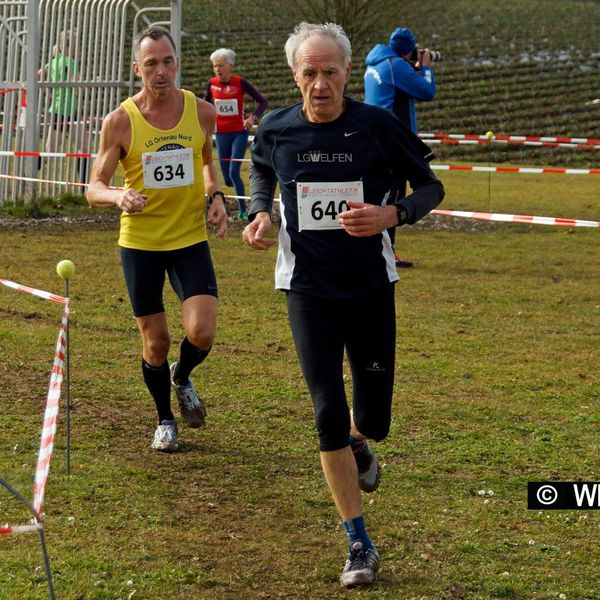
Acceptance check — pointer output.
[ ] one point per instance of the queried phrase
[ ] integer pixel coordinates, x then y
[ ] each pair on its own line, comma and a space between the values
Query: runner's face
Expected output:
222, 69
321, 75
157, 65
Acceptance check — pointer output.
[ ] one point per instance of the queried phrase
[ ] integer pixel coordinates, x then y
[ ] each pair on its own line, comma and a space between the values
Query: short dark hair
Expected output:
154, 32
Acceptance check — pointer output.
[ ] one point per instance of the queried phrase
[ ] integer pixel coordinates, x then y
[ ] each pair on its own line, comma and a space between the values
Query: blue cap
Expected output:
403, 40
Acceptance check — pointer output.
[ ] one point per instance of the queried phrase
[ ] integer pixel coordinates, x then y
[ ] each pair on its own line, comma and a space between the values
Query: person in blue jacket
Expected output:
397, 75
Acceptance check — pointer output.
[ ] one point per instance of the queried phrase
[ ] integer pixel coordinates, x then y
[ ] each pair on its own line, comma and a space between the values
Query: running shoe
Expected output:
191, 405
165, 437
369, 472
401, 263
361, 566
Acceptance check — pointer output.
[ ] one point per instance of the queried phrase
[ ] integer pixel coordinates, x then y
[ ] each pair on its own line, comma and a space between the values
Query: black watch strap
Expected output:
402, 216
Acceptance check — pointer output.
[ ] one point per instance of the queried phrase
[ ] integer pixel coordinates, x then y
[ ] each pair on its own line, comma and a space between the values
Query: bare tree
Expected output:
357, 17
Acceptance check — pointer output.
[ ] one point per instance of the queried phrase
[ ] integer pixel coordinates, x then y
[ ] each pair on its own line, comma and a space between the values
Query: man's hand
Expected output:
364, 220
217, 215
131, 201
255, 232
425, 59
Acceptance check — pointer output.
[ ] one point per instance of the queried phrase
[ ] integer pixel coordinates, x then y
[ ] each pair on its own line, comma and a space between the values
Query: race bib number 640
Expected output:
320, 203
169, 168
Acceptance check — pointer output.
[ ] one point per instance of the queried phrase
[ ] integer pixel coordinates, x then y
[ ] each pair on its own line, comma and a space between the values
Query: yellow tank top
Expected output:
174, 216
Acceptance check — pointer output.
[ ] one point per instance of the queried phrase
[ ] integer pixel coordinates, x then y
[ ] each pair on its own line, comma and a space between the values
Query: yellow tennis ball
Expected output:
489, 135
65, 268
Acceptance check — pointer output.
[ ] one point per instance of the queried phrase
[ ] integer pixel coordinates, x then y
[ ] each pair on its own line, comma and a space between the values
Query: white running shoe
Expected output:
361, 566
165, 437
190, 404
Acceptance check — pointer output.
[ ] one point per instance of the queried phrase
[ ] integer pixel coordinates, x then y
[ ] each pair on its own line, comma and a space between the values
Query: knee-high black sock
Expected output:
158, 382
189, 358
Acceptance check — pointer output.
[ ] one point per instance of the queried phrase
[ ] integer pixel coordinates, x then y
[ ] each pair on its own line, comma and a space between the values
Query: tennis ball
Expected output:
489, 135
65, 269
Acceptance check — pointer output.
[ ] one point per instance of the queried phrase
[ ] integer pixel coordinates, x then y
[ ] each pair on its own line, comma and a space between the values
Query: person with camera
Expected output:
397, 75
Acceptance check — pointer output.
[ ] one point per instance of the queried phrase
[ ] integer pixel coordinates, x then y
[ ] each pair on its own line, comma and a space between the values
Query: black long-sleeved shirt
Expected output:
366, 146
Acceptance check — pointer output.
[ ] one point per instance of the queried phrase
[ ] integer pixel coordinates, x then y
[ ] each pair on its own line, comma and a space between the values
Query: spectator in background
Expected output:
226, 91
396, 77
61, 114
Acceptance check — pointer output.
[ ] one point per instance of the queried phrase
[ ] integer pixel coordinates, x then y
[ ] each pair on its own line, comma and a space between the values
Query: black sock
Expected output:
158, 381
189, 358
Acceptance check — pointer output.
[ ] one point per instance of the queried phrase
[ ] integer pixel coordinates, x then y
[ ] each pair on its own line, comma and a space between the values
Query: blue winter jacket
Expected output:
392, 83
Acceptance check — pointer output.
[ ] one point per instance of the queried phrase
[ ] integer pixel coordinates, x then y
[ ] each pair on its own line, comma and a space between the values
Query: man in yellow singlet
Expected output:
162, 136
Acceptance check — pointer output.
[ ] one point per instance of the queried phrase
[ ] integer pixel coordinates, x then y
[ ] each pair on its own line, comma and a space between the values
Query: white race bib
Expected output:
320, 204
167, 169
226, 108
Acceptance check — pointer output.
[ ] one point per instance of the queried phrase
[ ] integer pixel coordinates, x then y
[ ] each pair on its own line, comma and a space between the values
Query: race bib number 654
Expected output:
169, 168
226, 108
320, 203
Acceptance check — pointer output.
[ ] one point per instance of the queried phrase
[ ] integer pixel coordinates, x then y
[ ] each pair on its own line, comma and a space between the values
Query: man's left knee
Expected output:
373, 429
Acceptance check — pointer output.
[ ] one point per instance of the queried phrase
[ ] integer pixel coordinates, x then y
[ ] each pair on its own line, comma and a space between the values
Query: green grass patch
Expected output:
67, 204
496, 386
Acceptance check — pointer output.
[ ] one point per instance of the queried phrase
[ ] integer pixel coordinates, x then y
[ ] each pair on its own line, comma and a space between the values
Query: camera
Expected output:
417, 55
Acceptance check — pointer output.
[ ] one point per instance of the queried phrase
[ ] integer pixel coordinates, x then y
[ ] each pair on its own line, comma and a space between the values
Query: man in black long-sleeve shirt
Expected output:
339, 163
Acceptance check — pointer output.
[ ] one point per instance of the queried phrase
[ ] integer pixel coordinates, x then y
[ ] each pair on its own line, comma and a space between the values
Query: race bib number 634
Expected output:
320, 203
169, 168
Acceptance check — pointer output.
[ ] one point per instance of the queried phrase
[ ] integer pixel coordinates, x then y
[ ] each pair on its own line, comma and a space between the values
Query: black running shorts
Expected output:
190, 272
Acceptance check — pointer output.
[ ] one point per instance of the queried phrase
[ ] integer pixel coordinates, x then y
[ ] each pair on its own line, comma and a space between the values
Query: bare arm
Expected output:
114, 140
217, 215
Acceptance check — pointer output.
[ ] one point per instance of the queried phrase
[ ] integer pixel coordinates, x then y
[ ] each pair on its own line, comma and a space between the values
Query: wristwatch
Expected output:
402, 216
216, 193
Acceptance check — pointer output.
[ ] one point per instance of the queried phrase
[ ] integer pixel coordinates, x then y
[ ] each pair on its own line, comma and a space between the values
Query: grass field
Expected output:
496, 386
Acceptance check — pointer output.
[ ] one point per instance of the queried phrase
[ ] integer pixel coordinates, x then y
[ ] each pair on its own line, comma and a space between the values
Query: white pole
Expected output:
31, 88
176, 31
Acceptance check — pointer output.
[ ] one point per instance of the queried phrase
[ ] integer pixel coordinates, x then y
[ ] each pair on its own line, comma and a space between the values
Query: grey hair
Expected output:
227, 54
305, 30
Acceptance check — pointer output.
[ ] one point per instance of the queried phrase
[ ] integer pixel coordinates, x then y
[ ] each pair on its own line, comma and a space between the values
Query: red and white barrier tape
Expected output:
511, 138
34, 292
486, 169
47, 154
516, 218
20, 528
471, 215
52, 405
486, 142
490, 169
535, 170
50, 416
39, 180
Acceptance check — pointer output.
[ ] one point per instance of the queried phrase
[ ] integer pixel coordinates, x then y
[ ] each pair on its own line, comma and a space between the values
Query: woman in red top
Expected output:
226, 91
